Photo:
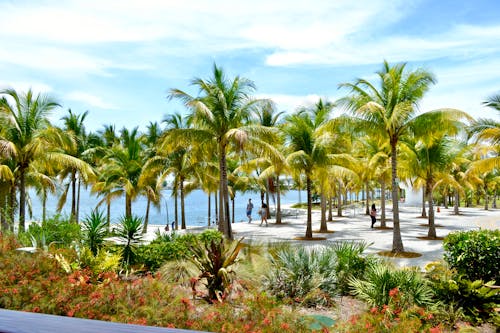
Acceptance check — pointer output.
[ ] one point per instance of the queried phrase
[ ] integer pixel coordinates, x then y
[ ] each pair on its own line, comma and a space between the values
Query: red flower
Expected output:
393, 292
285, 326
436, 329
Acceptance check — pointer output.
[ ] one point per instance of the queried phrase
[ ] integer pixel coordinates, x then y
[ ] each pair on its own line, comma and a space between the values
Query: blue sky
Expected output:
118, 59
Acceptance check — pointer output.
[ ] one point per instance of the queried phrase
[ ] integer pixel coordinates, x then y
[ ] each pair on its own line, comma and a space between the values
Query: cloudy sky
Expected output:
118, 58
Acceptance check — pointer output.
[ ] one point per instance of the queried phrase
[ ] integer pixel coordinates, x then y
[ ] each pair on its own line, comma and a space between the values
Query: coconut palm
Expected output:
28, 137
307, 137
391, 110
220, 118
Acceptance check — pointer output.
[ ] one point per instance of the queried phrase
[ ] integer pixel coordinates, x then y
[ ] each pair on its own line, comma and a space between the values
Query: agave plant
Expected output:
129, 232
94, 230
215, 261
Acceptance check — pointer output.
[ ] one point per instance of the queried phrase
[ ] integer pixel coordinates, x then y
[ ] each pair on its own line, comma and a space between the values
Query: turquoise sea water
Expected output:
196, 206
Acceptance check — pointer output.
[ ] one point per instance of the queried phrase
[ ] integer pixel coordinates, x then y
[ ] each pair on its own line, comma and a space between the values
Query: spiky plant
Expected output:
129, 232
95, 230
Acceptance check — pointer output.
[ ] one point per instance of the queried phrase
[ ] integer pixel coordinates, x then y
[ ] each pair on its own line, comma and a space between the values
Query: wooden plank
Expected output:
28, 322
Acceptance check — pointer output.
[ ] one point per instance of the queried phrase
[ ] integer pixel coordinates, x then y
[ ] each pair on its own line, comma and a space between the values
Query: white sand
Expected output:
355, 226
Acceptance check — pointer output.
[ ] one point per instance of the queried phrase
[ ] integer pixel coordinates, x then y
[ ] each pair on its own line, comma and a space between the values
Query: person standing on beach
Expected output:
249, 210
263, 213
373, 214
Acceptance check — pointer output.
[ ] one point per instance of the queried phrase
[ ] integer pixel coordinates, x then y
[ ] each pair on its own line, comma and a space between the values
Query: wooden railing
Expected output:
28, 322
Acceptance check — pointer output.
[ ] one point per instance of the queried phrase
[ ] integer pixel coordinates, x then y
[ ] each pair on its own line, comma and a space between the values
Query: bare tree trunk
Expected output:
176, 209
128, 205
232, 210
216, 206
108, 213
73, 196
224, 218
44, 205
494, 205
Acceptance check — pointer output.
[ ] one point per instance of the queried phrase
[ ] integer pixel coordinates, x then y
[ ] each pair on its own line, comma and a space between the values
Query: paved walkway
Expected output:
356, 226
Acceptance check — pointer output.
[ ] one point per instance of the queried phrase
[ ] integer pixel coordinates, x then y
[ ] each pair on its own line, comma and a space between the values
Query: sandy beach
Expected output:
355, 226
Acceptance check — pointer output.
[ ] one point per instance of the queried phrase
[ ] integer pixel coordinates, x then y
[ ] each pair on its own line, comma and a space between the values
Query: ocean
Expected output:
196, 206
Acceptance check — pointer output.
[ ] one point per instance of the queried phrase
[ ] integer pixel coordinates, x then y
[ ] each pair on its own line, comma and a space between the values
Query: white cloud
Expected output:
36, 87
90, 100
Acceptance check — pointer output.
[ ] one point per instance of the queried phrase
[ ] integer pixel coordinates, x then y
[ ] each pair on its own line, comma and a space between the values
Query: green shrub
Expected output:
382, 279
302, 275
55, 231
475, 301
474, 254
129, 232
350, 263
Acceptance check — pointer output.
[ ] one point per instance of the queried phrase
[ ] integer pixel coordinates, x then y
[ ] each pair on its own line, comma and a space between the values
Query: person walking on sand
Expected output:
373, 214
249, 210
263, 213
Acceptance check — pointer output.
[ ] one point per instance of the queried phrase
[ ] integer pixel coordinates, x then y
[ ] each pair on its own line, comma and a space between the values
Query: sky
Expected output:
118, 59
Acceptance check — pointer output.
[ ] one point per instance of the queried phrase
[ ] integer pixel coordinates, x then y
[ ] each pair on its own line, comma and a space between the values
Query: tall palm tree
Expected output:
307, 138
220, 118
391, 109
74, 126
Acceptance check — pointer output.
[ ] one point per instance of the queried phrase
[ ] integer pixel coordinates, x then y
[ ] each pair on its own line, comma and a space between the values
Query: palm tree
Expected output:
220, 118
73, 125
28, 137
306, 135
391, 110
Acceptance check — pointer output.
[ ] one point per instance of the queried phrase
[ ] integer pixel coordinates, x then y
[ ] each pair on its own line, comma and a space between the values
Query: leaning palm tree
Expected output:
391, 109
220, 118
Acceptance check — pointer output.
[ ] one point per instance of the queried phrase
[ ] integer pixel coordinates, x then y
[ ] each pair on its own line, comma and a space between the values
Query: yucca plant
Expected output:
94, 230
215, 262
129, 231
381, 279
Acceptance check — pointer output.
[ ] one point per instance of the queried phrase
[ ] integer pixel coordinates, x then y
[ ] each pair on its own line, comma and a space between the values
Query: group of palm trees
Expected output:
231, 142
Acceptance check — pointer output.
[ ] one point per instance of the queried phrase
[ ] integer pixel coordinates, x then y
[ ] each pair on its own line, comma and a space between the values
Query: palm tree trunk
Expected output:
424, 212
12, 205
432, 227
486, 197
494, 205
382, 203
3, 212
128, 205
339, 200
146, 218
209, 206
455, 204
232, 210
78, 201
309, 207
397, 241
445, 201
183, 212
278, 200
22, 199
323, 226
367, 208
216, 206
176, 209
44, 205
330, 208
224, 224
108, 212
73, 196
